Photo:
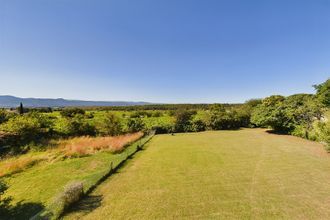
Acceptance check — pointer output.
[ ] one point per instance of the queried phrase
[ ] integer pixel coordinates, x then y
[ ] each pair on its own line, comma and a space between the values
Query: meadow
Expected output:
33, 188
243, 174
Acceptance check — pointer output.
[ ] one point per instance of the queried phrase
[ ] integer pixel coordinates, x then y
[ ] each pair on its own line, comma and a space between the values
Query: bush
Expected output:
75, 126
110, 125
157, 114
163, 129
323, 92
71, 112
198, 125
141, 114
4, 202
183, 121
3, 188
271, 113
4, 116
221, 120
171, 113
71, 194
42, 110
285, 114
325, 134
135, 125
27, 127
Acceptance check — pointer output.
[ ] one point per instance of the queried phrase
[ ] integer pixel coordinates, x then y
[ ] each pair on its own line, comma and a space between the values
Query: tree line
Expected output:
300, 114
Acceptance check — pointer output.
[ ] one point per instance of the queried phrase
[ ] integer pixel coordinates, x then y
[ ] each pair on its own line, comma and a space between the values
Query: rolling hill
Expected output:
7, 101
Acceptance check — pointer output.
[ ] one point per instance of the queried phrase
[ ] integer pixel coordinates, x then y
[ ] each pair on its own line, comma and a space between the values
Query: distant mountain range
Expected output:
12, 102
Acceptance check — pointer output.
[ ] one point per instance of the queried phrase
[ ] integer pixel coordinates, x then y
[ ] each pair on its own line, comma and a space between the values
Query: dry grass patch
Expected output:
75, 147
18, 164
81, 146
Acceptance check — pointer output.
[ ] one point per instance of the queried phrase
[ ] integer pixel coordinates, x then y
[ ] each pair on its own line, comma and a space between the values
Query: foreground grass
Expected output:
74, 147
38, 185
246, 174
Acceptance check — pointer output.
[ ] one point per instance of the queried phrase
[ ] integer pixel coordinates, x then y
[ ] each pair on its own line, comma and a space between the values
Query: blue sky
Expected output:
163, 50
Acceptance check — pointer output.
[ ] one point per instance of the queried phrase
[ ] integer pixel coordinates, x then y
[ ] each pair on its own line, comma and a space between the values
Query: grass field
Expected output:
244, 174
34, 188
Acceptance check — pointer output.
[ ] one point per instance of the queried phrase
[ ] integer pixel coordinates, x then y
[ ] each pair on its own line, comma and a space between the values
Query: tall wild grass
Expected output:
17, 164
81, 146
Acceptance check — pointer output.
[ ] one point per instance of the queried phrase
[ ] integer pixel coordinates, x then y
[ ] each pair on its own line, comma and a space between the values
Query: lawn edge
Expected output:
138, 145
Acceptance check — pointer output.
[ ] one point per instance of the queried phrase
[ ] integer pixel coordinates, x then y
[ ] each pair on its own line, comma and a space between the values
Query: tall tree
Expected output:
272, 113
21, 109
323, 92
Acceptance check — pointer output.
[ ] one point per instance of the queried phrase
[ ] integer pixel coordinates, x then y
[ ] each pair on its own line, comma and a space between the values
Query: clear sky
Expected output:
163, 50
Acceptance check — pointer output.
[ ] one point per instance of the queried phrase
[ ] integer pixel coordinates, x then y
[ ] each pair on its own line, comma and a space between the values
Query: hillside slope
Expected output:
7, 101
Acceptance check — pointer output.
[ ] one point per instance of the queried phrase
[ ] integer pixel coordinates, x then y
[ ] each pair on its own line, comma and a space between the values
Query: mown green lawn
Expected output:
244, 174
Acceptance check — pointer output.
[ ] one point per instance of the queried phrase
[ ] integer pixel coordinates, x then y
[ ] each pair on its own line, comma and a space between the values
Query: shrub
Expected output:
75, 126
140, 114
221, 119
42, 110
135, 125
285, 114
171, 113
71, 194
162, 129
271, 113
3, 188
4, 116
71, 112
325, 133
300, 131
90, 115
110, 125
4, 202
183, 121
27, 127
323, 92
198, 125
157, 114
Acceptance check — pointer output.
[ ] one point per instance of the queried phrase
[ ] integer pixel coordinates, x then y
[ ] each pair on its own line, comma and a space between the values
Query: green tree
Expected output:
198, 125
4, 116
222, 119
110, 125
75, 126
135, 125
72, 112
27, 127
287, 114
21, 109
272, 113
183, 121
303, 108
325, 133
323, 92
253, 102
